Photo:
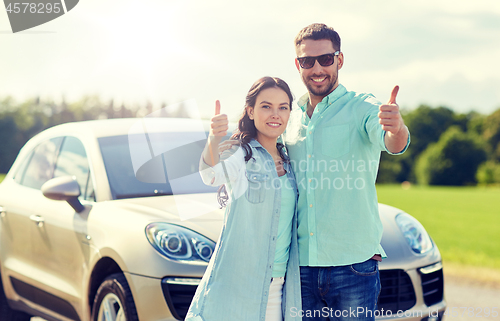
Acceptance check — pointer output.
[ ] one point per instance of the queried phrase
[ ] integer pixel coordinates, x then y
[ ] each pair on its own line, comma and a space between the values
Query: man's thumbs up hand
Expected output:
389, 115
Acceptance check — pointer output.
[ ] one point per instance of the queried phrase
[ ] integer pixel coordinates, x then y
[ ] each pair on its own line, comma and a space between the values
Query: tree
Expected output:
476, 123
491, 133
20, 122
389, 170
395, 169
426, 124
453, 160
11, 139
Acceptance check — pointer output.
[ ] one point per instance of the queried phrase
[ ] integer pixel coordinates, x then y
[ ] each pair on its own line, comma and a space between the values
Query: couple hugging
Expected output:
297, 241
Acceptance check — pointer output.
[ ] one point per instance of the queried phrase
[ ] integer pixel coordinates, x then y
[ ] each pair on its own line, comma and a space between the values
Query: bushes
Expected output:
453, 160
488, 173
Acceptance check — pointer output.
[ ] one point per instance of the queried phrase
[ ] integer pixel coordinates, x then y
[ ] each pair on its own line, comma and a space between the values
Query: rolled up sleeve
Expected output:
234, 161
403, 150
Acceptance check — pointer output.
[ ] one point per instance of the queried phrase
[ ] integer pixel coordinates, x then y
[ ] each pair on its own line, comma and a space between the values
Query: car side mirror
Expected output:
64, 188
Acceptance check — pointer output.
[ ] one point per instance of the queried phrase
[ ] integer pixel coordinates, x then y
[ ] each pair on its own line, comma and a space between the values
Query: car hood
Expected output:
198, 212
201, 213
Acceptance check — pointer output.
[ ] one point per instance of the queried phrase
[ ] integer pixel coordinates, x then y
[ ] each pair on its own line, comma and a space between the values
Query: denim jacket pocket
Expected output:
335, 140
256, 190
368, 267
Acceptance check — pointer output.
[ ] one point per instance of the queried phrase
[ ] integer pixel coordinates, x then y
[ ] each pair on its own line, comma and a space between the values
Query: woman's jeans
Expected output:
347, 292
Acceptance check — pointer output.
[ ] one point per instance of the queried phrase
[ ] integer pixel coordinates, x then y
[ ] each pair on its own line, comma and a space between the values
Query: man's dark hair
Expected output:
318, 31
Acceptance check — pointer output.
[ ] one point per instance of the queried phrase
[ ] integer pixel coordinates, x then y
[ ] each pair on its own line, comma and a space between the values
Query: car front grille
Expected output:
178, 293
432, 283
397, 292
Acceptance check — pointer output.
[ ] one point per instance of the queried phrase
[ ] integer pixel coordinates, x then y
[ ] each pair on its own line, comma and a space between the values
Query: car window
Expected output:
172, 172
72, 161
41, 166
18, 177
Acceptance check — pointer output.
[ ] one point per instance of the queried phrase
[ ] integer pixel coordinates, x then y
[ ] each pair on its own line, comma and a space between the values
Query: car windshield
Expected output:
153, 165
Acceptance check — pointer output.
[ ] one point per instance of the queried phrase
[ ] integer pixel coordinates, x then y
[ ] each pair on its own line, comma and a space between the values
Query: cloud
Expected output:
170, 51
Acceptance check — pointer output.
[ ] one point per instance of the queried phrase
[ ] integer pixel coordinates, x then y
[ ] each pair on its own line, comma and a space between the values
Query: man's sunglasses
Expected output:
324, 60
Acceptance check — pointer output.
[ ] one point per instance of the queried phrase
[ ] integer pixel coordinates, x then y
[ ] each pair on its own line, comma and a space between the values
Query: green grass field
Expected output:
463, 221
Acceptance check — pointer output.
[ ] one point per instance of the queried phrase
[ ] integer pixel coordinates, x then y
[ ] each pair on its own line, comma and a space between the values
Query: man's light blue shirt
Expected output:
335, 155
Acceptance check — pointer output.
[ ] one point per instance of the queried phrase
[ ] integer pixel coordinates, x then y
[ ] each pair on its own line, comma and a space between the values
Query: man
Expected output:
334, 140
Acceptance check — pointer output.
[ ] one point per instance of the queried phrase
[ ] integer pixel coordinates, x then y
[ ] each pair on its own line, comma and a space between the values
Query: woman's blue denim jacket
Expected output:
236, 283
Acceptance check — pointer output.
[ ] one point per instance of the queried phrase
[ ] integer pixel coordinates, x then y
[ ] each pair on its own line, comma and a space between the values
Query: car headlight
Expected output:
415, 234
179, 243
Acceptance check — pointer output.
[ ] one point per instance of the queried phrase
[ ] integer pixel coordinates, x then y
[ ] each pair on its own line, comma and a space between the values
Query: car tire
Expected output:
114, 299
6, 313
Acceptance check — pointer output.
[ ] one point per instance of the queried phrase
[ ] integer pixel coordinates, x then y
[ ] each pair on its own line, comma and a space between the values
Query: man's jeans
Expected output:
347, 292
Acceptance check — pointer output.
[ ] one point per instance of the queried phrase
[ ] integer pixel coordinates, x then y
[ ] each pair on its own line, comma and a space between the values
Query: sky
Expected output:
440, 52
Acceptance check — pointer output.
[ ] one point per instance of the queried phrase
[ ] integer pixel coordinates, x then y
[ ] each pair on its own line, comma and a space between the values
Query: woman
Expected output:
257, 248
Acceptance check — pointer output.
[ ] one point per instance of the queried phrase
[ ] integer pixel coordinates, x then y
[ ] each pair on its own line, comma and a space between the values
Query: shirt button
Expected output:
312, 233
309, 155
310, 180
310, 205
310, 132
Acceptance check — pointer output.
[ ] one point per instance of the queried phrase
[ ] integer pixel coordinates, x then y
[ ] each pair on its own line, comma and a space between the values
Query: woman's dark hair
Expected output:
246, 126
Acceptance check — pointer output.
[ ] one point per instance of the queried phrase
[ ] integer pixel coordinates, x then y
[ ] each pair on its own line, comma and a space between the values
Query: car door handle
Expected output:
37, 219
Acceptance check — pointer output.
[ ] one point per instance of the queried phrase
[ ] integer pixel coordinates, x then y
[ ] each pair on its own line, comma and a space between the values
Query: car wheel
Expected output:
114, 301
6, 313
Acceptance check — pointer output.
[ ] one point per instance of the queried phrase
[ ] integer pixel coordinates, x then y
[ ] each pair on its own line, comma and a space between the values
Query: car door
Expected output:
15, 236
21, 204
60, 244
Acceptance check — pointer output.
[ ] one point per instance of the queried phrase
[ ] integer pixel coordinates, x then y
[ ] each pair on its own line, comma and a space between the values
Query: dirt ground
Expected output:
470, 299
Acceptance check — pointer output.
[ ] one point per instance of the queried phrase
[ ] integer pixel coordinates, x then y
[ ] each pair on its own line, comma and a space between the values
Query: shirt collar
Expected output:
327, 101
254, 143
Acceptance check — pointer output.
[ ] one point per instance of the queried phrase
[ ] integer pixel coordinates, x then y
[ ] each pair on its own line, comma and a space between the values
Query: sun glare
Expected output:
141, 43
